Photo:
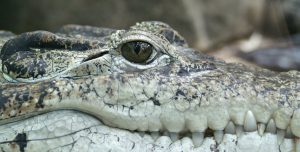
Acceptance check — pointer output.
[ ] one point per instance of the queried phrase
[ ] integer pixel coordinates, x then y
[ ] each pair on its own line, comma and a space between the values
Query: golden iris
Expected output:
137, 51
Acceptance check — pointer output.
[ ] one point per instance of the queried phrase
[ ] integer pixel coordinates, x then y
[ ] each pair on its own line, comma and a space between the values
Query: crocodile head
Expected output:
143, 89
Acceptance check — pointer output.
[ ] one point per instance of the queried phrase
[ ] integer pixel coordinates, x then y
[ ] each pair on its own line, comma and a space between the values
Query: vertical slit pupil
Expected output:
137, 48
137, 51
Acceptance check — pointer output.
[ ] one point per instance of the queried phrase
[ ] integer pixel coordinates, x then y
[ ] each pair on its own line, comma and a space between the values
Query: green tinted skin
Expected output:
115, 81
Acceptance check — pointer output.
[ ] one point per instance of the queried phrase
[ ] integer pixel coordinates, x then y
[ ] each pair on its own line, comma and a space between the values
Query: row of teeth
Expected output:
250, 125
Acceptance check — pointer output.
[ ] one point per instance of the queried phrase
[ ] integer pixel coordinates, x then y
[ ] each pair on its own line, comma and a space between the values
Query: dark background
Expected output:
204, 23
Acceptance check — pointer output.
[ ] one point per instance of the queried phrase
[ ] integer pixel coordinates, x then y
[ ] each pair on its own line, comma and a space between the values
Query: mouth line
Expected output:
197, 137
87, 126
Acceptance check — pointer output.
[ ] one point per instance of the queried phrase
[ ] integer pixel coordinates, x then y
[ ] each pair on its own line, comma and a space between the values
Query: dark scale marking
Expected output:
43, 39
41, 65
121, 78
84, 92
48, 56
169, 35
155, 101
21, 141
25, 96
58, 93
180, 92
21, 98
195, 96
40, 103
165, 71
2, 150
3, 100
44, 93
18, 97
133, 146
187, 70
109, 91
173, 37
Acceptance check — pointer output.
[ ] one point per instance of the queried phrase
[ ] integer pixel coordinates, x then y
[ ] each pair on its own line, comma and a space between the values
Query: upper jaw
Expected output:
196, 101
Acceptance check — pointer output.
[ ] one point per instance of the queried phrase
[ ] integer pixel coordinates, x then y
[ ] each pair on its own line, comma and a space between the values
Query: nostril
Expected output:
94, 56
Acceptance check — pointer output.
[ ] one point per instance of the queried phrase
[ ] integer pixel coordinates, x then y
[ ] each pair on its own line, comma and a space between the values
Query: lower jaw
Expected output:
74, 131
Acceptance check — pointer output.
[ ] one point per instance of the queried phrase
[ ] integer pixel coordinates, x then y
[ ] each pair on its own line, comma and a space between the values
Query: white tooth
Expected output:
239, 130
155, 135
271, 127
288, 133
295, 123
261, 128
282, 117
250, 122
218, 134
280, 136
174, 136
262, 111
197, 138
237, 113
230, 128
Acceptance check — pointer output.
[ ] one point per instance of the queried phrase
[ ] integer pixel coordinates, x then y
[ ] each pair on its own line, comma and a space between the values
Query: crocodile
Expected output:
87, 88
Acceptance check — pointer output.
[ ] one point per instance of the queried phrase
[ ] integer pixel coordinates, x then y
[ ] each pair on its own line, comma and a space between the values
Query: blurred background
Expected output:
224, 28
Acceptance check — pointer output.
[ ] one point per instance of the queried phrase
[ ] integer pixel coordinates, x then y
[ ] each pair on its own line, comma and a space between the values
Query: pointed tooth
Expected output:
230, 128
261, 128
239, 130
238, 113
218, 136
280, 136
288, 133
250, 122
271, 127
141, 133
155, 135
174, 136
282, 117
197, 138
262, 113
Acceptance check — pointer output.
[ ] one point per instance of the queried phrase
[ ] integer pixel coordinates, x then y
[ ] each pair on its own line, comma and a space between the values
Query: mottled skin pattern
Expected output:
180, 91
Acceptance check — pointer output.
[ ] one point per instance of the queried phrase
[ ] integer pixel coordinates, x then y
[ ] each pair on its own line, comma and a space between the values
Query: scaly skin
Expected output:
118, 104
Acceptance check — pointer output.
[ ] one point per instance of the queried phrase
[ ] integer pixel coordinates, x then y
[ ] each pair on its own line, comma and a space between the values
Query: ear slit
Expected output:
94, 56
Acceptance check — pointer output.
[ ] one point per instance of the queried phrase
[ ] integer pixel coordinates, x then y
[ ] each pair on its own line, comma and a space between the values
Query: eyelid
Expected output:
152, 39
154, 55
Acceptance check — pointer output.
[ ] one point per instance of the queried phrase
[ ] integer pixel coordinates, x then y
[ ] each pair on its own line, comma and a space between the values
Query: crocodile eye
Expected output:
138, 52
